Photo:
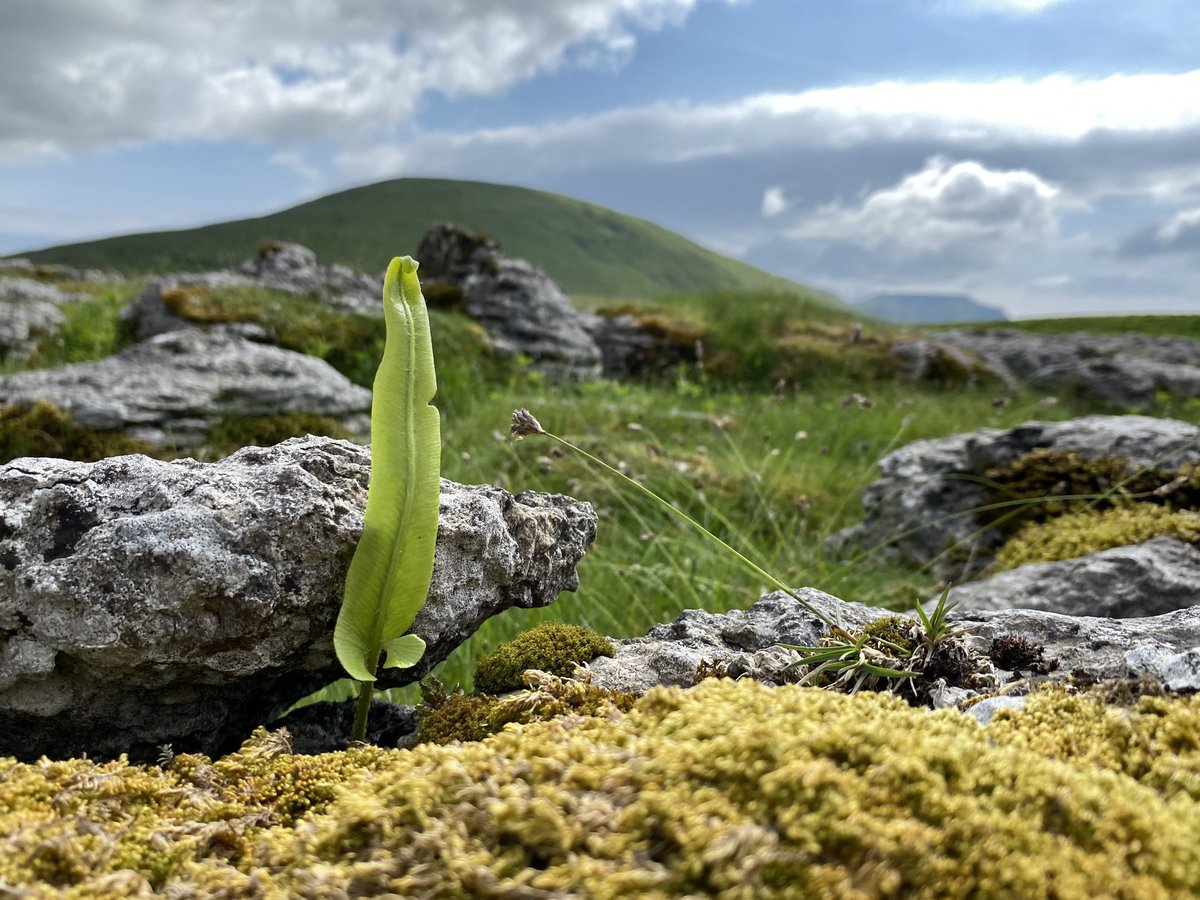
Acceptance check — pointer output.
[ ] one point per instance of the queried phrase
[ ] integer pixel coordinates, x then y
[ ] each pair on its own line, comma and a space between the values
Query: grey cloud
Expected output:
79, 74
1179, 234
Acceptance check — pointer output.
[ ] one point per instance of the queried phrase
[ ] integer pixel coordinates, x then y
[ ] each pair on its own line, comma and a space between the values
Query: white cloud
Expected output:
290, 159
945, 205
80, 74
774, 202
1054, 112
1012, 7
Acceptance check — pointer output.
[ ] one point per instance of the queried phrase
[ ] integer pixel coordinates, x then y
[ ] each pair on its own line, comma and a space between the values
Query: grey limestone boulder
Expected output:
1123, 369
523, 310
928, 495
744, 644
144, 602
293, 268
1159, 576
286, 267
169, 389
29, 313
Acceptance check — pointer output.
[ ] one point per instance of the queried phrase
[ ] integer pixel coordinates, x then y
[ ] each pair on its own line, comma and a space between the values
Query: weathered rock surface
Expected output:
1159, 576
926, 498
294, 268
745, 641
144, 602
1164, 648
1124, 369
285, 267
523, 310
169, 389
29, 313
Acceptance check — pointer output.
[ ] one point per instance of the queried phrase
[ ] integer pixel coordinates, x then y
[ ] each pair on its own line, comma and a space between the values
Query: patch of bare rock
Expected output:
1126, 370
170, 389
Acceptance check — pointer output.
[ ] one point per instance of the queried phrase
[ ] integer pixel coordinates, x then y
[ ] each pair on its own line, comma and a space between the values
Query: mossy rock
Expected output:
1046, 483
552, 647
447, 716
197, 303
43, 429
1092, 530
729, 789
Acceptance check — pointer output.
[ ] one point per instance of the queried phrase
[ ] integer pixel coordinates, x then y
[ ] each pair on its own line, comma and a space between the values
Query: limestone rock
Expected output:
325, 727
169, 389
27, 268
293, 268
1091, 647
1124, 369
744, 642
24, 324
290, 268
523, 310
1148, 579
29, 313
926, 498
144, 602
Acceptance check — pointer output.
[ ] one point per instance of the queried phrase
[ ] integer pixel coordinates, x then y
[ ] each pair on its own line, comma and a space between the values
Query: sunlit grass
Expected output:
772, 468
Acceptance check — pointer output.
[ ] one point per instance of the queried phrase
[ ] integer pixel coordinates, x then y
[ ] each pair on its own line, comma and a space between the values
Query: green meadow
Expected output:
768, 440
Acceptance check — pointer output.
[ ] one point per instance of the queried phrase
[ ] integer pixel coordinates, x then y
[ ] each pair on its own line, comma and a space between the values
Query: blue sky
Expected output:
1041, 155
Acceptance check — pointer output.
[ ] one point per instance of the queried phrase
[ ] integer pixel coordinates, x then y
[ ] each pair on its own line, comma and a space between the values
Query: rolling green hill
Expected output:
587, 249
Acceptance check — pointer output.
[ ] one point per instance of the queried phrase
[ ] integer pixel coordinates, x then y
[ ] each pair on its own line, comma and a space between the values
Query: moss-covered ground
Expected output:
729, 789
768, 438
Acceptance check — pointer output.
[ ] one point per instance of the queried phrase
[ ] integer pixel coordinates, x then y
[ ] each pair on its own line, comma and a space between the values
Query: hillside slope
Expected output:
929, 309
587, 249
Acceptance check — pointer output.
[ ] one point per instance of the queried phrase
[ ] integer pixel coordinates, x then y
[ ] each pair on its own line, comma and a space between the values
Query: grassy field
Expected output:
769, 443
1172, 326
587, 249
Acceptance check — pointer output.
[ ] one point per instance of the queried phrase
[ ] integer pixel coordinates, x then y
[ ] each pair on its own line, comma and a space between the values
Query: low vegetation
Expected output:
1158, 326
1092, 530
767, 439
730, 789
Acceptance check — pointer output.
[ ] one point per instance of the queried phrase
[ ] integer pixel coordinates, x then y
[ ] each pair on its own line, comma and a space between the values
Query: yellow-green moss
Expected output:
729, 789
1090, 531
43, 429
550, 647
1045, 481
454, 716
894, 629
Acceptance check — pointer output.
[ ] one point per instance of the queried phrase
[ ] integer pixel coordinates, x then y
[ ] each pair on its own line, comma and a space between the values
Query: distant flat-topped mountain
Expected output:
929, 309
586, 249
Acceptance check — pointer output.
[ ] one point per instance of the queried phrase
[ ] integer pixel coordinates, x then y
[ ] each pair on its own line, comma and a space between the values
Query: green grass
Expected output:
587, 249
1168, 326
91, 330
772, 469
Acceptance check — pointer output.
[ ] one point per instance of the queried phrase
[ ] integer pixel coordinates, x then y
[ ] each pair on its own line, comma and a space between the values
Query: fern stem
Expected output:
366, 692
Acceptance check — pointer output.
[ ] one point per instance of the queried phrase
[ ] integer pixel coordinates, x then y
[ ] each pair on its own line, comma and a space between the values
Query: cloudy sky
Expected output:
1041, 155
